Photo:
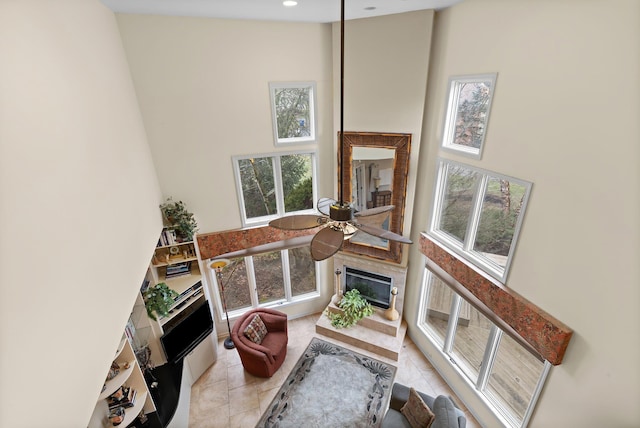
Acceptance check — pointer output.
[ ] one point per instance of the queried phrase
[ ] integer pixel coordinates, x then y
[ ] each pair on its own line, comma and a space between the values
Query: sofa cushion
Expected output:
394, 419
445, 412
256, 330
416, 411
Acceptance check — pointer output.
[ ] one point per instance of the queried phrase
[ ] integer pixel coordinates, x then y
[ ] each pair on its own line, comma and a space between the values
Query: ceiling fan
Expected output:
340, 220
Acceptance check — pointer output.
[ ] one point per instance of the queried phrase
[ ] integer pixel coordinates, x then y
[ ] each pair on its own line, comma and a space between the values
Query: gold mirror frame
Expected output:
401, 143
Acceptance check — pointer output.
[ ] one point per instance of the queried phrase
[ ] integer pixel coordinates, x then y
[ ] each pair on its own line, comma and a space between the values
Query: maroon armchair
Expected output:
265, 358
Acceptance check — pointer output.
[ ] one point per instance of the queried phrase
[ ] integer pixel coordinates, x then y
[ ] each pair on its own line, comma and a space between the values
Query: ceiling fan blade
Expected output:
324, 205
326, 243
384, 234
374, 211
298, 222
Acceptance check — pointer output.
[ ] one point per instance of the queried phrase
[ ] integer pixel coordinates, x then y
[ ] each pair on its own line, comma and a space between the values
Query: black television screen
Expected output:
188, 333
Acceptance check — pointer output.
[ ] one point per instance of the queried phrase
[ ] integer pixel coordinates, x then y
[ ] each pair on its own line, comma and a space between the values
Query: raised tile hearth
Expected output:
374, 333
367, 338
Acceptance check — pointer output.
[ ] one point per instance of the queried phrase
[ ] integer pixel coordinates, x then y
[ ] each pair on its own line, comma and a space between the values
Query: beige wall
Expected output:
564, 116
203, 90
385, 80
79, 216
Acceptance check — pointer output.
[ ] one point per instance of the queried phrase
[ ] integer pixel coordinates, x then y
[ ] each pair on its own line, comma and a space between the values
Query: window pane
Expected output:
293, 112
514, 376
471, 116
269, 278
501, 206
303, 271
438, 300
297, 183
458, 199
236, 285
258, 188
470, 341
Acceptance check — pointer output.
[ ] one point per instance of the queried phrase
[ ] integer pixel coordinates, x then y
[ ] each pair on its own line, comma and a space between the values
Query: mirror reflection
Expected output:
375, 170
372, 177
371, 187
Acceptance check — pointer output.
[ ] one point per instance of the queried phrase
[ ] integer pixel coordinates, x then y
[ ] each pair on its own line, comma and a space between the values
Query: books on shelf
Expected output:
123, 397
178, 269
167, 237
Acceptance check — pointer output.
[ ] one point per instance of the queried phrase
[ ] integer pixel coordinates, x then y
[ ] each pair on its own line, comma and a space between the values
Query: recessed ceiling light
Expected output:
289, 3
370, 8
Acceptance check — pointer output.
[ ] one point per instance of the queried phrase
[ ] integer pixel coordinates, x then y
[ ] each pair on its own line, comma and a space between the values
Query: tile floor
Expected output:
227, 396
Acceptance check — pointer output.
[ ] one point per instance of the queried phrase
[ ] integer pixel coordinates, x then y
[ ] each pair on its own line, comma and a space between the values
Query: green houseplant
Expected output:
179, 218
158, 300
354, 308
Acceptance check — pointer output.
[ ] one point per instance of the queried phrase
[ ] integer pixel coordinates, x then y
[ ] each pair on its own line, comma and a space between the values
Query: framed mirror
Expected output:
375, 172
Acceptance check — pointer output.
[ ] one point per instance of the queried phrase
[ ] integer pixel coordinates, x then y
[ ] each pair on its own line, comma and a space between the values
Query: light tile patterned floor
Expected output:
227, 396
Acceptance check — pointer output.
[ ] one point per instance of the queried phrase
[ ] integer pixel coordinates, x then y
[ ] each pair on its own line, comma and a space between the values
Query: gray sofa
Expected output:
445, 410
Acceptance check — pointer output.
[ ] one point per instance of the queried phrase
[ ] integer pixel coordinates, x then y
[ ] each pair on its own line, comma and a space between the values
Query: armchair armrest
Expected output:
273, 320
257, 349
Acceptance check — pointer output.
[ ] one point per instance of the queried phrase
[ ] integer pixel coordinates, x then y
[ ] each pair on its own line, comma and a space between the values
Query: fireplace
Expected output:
374, 287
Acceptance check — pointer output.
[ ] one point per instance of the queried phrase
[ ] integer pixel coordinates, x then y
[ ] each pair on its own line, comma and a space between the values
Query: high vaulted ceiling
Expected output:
273, 10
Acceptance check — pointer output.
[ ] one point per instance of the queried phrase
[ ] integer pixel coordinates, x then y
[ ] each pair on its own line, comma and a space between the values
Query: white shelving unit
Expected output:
132, 377
171, 255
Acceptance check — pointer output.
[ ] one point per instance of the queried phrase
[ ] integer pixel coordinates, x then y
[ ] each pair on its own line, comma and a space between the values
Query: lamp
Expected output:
376, 182
218, 265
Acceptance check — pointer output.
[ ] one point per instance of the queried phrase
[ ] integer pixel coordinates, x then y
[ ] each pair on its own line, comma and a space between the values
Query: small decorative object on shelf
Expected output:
116, 416
122, 397
179, 219
159, 299
391, 313
142, 418
113, 371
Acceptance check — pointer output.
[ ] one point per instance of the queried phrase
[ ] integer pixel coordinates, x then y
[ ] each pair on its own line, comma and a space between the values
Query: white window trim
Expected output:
479, 387
289, 299
277, 171
465, 250
273, 86
451, 113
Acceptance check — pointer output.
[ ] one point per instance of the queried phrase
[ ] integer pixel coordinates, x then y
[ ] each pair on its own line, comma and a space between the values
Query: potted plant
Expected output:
180, 219
158, 300
354, 308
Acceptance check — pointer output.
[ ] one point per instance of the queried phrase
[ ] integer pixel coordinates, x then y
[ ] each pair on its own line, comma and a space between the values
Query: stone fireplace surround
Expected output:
374, 333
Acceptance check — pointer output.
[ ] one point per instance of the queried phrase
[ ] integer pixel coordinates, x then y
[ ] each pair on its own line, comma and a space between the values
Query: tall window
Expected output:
506, 376
269, 279
272, 185
478, 214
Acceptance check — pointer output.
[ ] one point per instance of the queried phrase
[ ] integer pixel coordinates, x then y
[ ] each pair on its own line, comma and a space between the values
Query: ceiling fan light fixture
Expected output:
340, 212
348, 230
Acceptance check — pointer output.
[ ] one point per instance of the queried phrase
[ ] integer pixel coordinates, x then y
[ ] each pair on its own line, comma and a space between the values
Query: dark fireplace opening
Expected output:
374, 287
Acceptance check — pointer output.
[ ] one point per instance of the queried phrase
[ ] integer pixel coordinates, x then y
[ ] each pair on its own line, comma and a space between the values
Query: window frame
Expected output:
480, 386
273, 87
465, 249
252, 284
456, 84
277, 181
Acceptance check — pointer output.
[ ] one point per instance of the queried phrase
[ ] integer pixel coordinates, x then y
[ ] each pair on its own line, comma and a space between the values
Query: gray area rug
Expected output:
331, 386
